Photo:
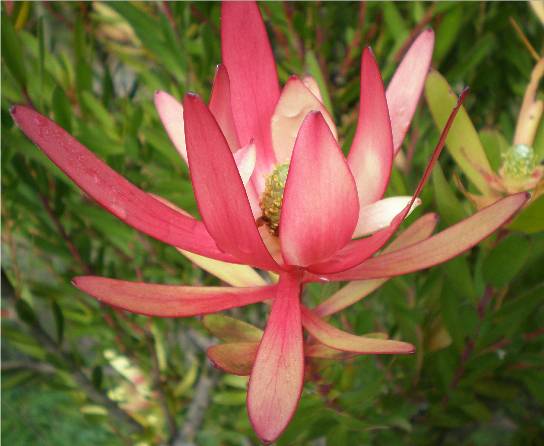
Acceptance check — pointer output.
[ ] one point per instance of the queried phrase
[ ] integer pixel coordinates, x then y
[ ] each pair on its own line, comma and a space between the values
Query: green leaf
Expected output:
394, 21
41, 57
449, 307
25, 312
503, 263
538, 144
59, 320
84, 75
449, 207
312, 66
531, 219
516, 310
62, 109
12, 54
458, 272
448, 32
463, 142
97, 109
230, 398
495, 145
97, 376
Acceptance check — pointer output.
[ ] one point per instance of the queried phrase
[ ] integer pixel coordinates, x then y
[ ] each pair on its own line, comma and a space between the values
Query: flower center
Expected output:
519, 161
272, 197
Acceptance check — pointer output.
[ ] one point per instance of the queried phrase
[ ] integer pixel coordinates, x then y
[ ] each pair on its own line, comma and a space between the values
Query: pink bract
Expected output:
231, 146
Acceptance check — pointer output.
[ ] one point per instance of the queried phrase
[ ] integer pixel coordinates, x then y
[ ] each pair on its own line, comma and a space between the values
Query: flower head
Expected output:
520, 163
276, 193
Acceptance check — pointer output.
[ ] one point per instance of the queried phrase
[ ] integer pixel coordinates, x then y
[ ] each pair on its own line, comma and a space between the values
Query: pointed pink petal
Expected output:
245, 162
276, 380
357, 251
341, 340
380, 214
354, 291
441, 247
254, 86
171, 113
220, 106
169, 300
295, 102
320, 207
371, 153
236, 358
406, 86
113, 192
220, 194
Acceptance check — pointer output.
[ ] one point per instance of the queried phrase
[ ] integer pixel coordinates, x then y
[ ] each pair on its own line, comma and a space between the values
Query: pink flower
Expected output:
255, 151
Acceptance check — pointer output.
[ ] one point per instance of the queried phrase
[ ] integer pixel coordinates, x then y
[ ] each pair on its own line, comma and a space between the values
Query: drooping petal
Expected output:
357, 251
406, 86
171, 114
295, 102
276, 380
220, 106
236, 358
419, 230
323, 352
248, 57
354, 291
113, 192
231, 273
371, 153
341, 340
170, 300
229, 329
320, 206
220, 194
348, 295
440, 247
380, 214
245, 162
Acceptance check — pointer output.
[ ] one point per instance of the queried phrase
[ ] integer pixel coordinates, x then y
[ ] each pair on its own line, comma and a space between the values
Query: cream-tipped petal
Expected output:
170, 112
295, 102
380, 214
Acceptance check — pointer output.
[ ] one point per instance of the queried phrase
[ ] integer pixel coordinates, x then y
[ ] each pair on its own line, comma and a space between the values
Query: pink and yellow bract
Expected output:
333, 222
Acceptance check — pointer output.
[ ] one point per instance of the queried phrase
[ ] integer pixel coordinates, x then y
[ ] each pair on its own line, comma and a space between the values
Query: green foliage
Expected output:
476, 378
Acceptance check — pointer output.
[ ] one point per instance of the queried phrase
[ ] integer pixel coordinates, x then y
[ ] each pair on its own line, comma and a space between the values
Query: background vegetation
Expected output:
76, 372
